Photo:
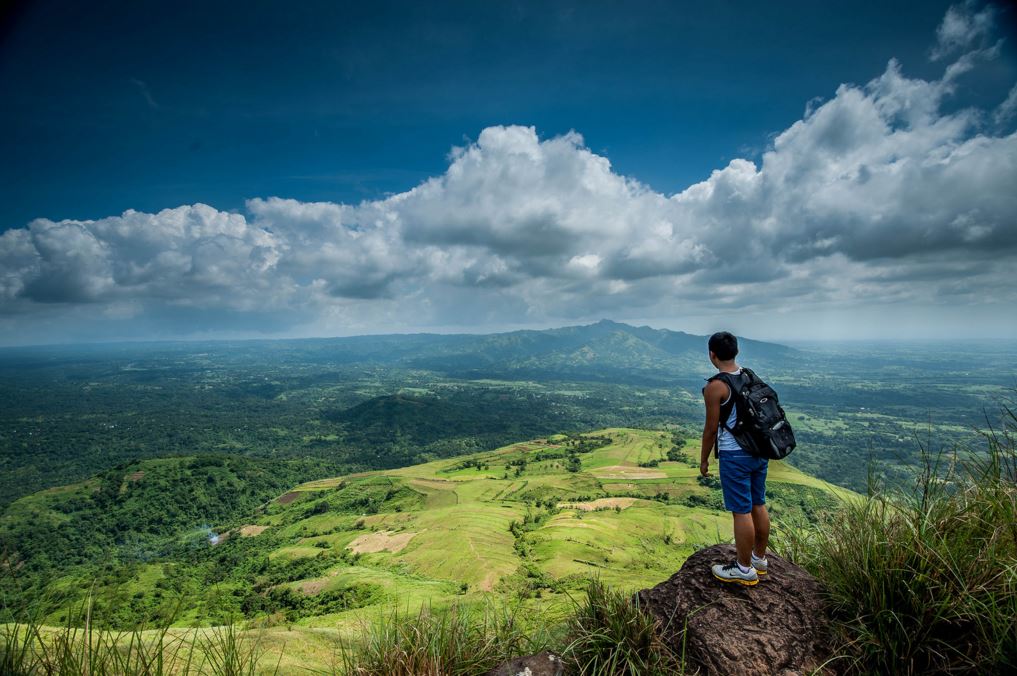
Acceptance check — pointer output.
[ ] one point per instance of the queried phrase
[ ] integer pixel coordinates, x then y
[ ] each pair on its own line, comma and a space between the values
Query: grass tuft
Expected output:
458, 641
609, 634
29, 648
925, 581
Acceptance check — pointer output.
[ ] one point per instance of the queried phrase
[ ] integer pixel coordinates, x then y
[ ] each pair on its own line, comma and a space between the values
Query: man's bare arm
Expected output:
713, 395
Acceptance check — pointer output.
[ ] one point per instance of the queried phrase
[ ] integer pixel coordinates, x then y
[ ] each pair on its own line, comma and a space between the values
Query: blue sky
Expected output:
581, 128
144, 105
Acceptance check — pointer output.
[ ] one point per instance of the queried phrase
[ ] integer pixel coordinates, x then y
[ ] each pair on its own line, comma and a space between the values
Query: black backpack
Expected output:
761, 428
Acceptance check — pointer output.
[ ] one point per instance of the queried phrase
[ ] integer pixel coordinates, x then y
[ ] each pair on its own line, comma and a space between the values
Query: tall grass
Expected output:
609, 634
30, 648
605, 634
461, 640
925, 581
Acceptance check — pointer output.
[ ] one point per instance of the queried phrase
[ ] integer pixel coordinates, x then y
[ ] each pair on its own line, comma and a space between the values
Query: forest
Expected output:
68, 412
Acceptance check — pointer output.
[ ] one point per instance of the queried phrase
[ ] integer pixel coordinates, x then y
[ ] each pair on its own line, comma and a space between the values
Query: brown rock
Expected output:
779, 626
541, 664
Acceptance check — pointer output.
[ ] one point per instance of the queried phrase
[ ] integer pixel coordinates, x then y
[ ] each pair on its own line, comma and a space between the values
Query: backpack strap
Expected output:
725, 408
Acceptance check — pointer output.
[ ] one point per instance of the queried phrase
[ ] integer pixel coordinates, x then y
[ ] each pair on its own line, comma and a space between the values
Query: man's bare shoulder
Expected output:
715, 389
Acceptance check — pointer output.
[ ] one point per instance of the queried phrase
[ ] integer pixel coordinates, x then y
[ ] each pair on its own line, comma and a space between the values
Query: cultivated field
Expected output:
445, 527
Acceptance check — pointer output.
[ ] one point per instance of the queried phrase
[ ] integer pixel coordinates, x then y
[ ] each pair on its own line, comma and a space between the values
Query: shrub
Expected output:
926, 581
609, 634
457, 641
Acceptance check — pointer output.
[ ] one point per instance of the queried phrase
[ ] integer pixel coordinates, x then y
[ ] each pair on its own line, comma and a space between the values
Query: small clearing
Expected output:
135, 476
602, 503
627, 472
312, 587
382, 541
251, 531
287, 498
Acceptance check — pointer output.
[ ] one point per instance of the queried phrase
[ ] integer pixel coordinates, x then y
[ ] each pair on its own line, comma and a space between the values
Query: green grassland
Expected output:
340, 492
342, 406
476, 526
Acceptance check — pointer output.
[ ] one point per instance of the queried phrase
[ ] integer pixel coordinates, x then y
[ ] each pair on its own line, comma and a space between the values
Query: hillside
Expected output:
605, 350
68, 412
601, 351
516, 522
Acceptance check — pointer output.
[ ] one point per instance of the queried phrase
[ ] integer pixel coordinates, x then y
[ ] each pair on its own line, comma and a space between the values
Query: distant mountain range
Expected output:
605, 350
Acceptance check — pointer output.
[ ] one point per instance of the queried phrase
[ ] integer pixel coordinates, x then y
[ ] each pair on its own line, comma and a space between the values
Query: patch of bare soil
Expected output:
135, 476
602, 503
624, 472
312, 587
287, 498
382, 541
250, 531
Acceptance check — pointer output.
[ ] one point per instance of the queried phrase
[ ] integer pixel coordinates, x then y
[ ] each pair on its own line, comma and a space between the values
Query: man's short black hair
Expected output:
724, 345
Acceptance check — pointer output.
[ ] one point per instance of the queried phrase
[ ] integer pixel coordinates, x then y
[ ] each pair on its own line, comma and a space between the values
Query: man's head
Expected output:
723, 346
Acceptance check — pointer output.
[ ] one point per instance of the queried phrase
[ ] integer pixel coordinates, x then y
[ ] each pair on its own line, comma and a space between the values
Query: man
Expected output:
742, 476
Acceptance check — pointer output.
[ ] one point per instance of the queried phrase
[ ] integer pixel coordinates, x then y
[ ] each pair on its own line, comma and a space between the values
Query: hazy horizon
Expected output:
790, 341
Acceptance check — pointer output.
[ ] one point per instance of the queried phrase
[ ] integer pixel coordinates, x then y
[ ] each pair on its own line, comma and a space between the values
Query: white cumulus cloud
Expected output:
882, 194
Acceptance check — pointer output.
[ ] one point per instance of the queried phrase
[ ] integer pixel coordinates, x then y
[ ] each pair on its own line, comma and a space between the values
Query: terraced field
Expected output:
513, 522
526, 525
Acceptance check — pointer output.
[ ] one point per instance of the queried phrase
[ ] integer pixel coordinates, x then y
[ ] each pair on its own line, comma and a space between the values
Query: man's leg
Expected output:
761, 526
745, 536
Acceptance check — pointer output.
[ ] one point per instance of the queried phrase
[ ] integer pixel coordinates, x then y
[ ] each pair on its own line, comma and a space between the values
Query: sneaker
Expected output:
759, 564
732, 573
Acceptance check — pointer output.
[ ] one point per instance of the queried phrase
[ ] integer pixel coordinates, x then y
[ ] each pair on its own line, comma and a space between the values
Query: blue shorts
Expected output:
743, 481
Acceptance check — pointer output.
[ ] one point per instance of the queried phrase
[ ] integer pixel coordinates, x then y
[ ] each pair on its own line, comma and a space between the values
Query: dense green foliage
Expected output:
68, 412
213, 537
920, 582
95, 536
603, 634
389, 401
178, 439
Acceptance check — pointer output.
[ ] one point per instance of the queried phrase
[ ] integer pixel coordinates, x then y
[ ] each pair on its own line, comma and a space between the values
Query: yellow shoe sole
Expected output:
760, 572
747, 583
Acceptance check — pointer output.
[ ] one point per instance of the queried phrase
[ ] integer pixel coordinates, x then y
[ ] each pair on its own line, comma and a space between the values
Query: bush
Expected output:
926, 581
609, 634
457, 641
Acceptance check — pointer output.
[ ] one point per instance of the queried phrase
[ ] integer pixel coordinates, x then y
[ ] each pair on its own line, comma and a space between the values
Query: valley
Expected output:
531, 522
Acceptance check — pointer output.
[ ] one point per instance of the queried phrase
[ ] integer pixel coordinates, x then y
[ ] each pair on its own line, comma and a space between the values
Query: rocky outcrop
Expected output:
541, 664
779, 626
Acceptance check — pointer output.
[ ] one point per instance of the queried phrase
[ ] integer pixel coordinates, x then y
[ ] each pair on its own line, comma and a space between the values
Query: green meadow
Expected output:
514, 525
531, 521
